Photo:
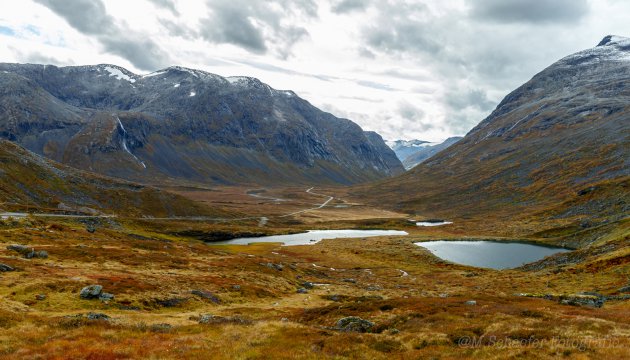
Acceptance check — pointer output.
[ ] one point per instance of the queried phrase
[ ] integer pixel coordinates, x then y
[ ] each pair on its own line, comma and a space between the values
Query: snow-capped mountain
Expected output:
413, 152
182, 123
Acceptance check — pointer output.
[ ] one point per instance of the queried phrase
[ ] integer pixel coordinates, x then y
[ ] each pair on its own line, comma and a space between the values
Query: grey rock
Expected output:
206, 295
5, 267
236, 287
42, 254
374, 288
97, 316
106, 296
354, 324
172, 302
40, 297
471, 302
91, 292
278, 267
625, 289
308, 285
215, 319
352, 281
302, 291
583, 300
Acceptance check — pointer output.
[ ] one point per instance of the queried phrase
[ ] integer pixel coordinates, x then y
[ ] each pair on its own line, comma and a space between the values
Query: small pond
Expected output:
489, 254
433, 223
311, 237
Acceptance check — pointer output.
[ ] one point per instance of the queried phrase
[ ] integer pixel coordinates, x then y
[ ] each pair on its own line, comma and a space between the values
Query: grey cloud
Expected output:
258, 26
166, 4
278, 69
347, 6
526, 11
39, 58
143, 53
401, 27
410, 112
375, 85
175, 29
475, 98
90, 18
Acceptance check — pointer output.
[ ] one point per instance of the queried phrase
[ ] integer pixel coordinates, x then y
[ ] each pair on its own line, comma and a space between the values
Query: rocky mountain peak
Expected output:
609, 40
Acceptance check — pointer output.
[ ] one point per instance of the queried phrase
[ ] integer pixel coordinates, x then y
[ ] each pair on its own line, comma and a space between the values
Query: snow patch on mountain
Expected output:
119, 74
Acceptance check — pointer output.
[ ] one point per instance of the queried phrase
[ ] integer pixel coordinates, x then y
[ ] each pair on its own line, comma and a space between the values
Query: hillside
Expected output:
181, 123
558, 145
31, 182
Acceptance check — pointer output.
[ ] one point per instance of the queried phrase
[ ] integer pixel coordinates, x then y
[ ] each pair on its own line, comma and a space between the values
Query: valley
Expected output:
176, 293
127, 203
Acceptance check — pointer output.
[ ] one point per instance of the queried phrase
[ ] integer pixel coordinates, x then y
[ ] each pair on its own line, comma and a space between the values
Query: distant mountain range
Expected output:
560, 143
413, 152
183, 124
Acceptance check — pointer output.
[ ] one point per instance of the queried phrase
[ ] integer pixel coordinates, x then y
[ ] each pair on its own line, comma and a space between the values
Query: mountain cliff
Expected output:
561, 141
181, 123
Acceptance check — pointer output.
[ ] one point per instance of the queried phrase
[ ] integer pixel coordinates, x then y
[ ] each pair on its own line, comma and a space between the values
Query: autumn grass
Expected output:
152, 271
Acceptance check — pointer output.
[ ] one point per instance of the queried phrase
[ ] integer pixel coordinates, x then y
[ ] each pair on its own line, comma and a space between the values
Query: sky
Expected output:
406, 69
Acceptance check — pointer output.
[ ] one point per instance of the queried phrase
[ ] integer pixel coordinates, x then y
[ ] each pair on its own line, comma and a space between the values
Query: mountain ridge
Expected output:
188, 123
564, 130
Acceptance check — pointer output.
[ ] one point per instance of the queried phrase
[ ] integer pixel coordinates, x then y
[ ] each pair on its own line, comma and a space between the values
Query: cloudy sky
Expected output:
404, 68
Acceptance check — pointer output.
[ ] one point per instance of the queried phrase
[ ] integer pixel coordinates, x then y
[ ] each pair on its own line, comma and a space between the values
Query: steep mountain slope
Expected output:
29, 179
183, 123
425, 152
561, 141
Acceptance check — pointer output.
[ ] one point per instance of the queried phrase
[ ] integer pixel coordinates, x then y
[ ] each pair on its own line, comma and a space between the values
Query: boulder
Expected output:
583, 300
91, 292
97, 316
354, 324
106, 296
206, 295
471, 302
308, 285
5, 267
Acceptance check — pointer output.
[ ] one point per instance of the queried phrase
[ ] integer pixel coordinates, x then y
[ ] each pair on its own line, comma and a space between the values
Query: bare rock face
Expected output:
183, 123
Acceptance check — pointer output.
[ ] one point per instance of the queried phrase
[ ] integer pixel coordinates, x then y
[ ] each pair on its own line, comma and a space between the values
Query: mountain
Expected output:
558, 145
29, 181
425, 152
404, 148
181, 123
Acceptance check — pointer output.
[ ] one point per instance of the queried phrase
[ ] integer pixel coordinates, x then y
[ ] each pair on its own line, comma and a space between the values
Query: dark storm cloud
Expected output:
526, 11
90, 18
347, 6
257, 26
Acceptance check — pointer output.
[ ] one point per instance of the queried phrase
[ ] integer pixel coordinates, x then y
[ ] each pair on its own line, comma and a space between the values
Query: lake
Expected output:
311, 237
489, 254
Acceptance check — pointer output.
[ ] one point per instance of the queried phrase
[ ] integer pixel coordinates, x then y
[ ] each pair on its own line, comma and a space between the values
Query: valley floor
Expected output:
176, 297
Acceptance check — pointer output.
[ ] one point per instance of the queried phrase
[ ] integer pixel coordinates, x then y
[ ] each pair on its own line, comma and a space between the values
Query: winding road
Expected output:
5, 215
